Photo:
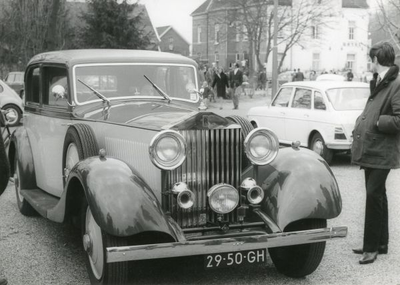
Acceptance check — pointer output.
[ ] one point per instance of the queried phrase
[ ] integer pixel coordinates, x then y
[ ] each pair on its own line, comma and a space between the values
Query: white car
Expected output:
319, 114
11, 103
330, 77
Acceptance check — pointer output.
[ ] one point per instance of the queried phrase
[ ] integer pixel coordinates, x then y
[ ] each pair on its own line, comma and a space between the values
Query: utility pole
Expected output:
275, 52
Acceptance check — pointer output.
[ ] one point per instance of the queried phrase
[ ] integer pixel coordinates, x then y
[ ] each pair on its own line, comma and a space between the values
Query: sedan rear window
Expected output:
344, 99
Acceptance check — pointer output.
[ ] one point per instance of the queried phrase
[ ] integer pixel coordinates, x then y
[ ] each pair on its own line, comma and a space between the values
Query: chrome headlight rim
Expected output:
271, 149
181, 153
214, 190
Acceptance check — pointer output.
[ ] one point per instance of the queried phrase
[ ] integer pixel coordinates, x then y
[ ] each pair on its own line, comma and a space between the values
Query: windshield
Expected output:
124, 80
344, 99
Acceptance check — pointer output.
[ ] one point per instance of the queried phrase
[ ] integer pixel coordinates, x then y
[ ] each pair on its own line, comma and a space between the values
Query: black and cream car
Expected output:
114, 141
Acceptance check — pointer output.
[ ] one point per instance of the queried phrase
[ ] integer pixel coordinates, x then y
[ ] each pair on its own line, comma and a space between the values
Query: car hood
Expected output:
152, 115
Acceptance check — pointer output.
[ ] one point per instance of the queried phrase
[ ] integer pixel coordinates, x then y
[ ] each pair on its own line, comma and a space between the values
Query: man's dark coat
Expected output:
221, 80
378, 146
4, 166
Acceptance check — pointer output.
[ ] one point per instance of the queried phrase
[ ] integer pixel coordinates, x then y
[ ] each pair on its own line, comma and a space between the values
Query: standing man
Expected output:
350, 75
235, 82
376, 148
299, 75
4, 171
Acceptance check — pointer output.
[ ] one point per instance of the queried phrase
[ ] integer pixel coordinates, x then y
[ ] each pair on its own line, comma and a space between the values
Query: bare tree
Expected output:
295, 21
388, 18
31, 27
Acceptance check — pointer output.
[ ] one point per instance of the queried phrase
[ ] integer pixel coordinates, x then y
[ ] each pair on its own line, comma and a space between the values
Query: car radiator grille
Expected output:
213, 156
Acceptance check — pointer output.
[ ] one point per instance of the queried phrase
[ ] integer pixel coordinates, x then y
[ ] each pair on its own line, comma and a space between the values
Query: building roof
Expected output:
164, 29
355, 4
212, 5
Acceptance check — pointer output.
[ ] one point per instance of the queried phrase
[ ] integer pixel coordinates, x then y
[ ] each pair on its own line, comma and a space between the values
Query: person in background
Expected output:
206, 93
221, 82
263, 79
350, 75
294, 74
299, 75
376, 148
235, 82
313, 75
4, 174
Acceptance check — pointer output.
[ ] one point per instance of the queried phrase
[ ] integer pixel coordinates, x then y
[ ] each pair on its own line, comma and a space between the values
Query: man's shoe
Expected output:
368, 257
3, 281
382, 249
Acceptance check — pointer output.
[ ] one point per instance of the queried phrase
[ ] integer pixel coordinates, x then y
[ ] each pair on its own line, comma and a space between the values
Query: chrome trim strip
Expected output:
202, 247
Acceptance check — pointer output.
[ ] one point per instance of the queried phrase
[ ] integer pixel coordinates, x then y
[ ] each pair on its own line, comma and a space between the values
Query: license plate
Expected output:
232, 259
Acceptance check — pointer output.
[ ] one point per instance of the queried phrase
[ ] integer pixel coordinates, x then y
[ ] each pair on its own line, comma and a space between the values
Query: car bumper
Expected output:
339, 145
210, 246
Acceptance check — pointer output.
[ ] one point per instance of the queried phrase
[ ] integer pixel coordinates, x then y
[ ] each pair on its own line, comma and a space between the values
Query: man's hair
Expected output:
384, 53
237, 65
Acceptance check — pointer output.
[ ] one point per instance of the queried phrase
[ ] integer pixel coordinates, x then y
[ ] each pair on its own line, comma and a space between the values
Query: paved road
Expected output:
37, 251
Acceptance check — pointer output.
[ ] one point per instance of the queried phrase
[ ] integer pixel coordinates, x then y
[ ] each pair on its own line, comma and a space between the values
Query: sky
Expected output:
174, 13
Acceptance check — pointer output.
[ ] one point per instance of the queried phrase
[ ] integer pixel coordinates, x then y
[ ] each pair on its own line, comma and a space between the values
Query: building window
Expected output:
238, 57
199, 34
216, 57
352, 27
315, 61
351, 59
171, 43
216, 33
245, 35
314, 32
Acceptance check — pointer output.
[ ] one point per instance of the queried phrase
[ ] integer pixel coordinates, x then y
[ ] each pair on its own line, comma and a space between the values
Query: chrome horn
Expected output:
255, 194
185, 197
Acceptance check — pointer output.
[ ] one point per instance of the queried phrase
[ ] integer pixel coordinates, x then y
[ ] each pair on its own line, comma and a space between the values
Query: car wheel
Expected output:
23, 205
16, 112
318, 145
79, 143
4, 165
95, 242
299, 260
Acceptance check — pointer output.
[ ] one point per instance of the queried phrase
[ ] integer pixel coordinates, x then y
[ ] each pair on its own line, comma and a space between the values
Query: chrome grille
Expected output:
213, 156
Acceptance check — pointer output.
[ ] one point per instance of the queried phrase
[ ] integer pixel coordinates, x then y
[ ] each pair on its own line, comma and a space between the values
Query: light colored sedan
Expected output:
319, 114
11, 103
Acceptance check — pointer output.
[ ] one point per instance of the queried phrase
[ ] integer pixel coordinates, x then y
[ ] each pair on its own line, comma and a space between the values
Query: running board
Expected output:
41, 201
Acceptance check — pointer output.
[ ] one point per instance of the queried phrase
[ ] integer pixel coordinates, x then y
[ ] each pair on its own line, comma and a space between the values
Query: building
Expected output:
338, 41
172, 41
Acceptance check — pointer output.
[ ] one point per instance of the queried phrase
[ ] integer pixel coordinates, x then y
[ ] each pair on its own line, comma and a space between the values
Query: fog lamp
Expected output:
223, 198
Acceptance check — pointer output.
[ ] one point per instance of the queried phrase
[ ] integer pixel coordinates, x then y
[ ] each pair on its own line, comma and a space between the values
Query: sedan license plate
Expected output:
232, 259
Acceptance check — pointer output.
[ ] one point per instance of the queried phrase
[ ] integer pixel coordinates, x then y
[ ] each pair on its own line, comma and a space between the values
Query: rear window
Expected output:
344, 99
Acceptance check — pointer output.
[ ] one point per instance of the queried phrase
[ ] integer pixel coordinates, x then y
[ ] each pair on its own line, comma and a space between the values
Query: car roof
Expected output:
87, 56
324, 85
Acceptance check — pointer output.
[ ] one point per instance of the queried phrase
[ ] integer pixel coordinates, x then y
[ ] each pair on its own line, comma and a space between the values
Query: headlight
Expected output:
261, 146
167, 150
223, 198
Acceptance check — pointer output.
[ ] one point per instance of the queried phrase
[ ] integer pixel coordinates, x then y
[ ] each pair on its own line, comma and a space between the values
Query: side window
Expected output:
283, 98
33, 85
1, 89
55, 76
319, 103
302, 99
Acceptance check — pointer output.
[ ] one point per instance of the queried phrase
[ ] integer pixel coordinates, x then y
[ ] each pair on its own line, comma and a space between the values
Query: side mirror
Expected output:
59, 92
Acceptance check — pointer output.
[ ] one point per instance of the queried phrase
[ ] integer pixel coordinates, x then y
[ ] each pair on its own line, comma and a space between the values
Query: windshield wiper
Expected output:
162, 93
97, 93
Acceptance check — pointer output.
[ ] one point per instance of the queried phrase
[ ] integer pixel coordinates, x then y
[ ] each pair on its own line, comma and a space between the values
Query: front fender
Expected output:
121, 202
299, 184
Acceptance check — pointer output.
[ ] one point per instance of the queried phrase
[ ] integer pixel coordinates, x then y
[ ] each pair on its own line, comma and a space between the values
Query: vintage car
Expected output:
319, 114
11, 103
15, 80
113, 142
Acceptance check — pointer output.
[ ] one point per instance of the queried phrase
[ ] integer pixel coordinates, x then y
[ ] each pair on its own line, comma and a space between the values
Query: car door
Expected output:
297, 116
274, 117
46, 122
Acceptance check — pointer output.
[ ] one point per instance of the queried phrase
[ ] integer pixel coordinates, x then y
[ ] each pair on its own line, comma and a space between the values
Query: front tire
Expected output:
318, 145
95, 242
299, 260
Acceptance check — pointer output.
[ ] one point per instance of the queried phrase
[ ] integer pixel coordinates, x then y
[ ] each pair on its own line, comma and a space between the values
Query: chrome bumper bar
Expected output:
201, 247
